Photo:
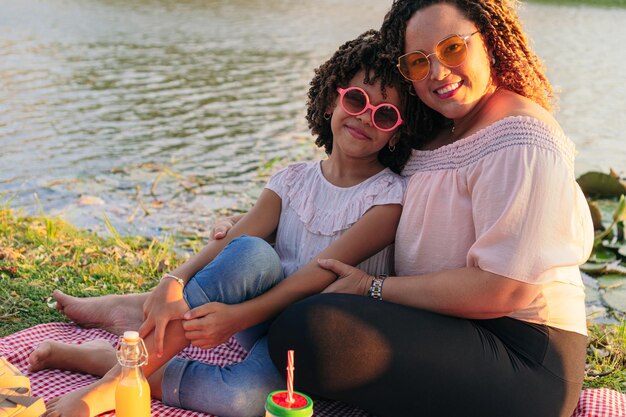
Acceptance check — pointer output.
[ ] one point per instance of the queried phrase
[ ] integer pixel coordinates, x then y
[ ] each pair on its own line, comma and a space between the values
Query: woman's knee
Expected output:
320, 329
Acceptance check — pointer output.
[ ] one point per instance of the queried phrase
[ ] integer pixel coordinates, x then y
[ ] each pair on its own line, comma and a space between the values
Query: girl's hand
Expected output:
165, 303
350, 280
211, 324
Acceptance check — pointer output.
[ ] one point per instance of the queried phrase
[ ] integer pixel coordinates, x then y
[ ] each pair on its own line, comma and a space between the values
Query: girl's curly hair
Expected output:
515, 67
366, 52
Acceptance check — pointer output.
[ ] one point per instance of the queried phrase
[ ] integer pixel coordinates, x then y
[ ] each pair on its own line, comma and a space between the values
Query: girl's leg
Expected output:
392, 360
99, 397
246, 268
115, 313
237, 390
95, 357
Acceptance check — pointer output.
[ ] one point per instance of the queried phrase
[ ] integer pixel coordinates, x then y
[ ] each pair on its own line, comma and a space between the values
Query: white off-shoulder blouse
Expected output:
505, 200
315, 213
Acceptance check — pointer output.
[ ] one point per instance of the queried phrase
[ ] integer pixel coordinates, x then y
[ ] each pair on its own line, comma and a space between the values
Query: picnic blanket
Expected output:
52, 383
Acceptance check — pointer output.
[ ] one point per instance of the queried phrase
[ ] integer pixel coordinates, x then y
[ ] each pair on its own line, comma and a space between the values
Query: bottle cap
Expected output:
131, 335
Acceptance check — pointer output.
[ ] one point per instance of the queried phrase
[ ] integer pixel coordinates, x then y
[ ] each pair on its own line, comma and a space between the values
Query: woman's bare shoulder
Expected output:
506, 103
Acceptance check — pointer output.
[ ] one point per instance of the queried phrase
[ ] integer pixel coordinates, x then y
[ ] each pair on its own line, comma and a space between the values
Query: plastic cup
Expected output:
276, 405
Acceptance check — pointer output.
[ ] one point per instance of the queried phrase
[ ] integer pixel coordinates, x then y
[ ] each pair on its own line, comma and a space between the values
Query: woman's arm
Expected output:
465, 292
208, 325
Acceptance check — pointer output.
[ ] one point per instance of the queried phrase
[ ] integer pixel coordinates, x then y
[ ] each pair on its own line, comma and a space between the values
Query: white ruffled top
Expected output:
315, 212
503, 199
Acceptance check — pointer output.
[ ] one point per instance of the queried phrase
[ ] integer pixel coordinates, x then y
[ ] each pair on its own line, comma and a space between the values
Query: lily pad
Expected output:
613, 244
602, 255
614, 291
592, 296
599, 184
593, 268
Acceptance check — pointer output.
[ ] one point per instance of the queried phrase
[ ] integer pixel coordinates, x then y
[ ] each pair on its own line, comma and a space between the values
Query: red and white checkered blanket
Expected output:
52, 383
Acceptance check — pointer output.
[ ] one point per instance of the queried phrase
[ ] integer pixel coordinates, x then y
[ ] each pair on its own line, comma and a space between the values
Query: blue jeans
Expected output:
246, 268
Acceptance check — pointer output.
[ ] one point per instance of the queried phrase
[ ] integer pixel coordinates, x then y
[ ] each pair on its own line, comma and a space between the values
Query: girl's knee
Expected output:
251, 244
254, 253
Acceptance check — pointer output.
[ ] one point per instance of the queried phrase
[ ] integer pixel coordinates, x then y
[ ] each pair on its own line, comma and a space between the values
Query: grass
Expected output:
603, 3
40, 254
606, 357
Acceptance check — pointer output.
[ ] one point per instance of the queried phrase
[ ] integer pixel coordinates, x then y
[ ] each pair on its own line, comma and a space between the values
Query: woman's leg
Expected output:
393, 360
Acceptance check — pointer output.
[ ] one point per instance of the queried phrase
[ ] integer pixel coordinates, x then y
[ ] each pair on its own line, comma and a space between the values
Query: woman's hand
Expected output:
221, 228
165, 303
211, 324
350, 280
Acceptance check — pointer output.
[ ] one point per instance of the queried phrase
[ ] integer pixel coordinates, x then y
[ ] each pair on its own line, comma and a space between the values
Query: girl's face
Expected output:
451, 91
356, 136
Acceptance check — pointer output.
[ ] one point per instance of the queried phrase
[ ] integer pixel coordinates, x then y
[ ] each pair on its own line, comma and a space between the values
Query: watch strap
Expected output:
376, 289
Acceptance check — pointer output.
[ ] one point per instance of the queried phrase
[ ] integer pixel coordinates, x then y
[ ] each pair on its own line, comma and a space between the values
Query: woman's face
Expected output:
452, 91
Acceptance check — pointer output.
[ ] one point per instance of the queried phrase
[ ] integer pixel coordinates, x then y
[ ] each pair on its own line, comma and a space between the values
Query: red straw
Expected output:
290, 369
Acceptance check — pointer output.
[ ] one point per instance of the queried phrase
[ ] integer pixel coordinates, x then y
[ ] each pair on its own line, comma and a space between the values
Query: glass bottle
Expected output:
132, 395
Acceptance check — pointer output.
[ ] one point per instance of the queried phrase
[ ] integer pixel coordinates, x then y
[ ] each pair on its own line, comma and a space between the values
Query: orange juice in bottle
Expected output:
132, 395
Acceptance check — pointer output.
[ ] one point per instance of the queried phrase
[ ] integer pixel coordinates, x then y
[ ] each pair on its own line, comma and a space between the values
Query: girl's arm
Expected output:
212, 323
166, 301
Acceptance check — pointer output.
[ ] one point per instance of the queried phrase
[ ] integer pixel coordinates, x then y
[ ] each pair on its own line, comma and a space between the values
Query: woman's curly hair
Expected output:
366, 52
515, 67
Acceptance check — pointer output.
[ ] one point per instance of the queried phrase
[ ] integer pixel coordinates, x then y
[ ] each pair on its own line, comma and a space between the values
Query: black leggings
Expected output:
396, 361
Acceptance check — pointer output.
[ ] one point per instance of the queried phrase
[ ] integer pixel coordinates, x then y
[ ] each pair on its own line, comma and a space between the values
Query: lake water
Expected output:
164, 114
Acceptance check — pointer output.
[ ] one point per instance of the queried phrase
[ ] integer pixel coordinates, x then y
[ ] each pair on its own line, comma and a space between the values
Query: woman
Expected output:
485, 314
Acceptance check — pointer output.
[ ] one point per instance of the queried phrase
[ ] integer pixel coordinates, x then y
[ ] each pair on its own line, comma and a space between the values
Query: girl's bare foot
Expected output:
88, 401
113, 313
95, 357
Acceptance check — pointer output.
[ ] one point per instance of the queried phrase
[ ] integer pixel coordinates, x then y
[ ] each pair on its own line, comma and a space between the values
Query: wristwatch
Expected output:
376, 290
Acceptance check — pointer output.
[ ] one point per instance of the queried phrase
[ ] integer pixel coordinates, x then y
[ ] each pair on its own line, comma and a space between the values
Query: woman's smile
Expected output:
448, 90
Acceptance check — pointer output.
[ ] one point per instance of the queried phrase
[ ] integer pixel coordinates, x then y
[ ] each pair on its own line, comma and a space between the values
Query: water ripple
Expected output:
172, 112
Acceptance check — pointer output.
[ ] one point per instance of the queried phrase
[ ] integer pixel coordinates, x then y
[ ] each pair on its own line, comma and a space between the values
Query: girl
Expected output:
346, 207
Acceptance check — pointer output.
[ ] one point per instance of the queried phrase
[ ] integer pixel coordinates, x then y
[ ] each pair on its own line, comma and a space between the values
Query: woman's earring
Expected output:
493, 59
327, 116
412, 90
391, 147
